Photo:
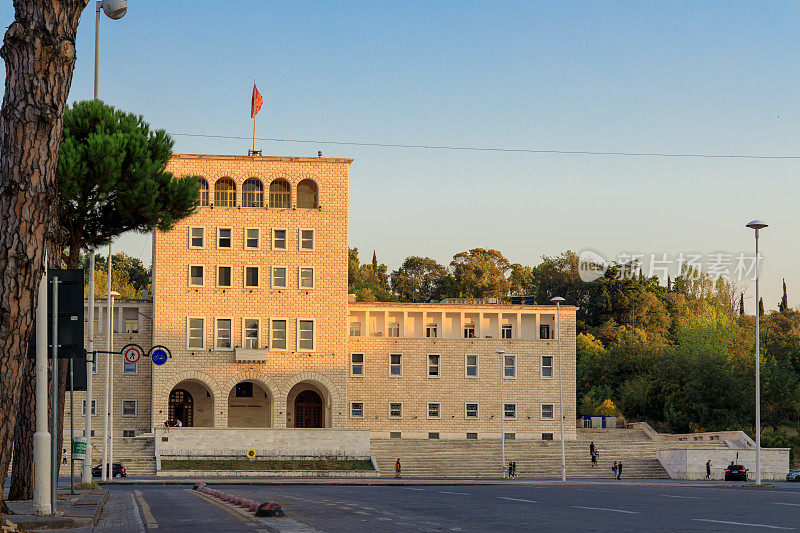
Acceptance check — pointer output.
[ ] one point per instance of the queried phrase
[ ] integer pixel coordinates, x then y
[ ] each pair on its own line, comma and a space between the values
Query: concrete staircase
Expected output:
137, 455
535, 459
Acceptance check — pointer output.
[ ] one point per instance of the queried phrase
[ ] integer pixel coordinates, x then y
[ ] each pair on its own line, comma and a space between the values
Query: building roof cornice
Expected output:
259, 158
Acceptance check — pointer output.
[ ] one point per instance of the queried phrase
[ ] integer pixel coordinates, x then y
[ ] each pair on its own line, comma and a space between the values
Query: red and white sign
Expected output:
132, 353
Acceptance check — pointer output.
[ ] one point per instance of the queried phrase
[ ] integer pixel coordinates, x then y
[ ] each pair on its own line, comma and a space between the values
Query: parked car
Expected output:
794, 475
736, 472
119, 471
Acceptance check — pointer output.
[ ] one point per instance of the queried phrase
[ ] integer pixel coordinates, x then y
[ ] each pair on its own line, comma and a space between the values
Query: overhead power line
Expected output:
496, 149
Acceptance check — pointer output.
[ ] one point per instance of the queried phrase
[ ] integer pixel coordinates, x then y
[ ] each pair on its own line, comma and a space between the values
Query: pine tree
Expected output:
783, 306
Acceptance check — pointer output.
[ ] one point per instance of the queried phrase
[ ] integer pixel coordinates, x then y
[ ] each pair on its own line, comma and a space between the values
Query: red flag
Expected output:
255, 102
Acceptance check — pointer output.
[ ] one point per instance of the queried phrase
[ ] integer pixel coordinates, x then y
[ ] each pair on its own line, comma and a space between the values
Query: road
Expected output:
585, 506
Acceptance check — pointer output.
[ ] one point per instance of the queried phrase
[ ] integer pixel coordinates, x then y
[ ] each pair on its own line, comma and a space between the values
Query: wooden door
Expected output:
308, 410
181, 407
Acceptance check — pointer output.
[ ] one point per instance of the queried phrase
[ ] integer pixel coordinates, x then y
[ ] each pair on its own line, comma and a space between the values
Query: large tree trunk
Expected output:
22, 465
39, 54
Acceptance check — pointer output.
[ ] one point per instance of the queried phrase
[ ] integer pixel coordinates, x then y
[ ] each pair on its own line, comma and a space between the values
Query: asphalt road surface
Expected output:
584, 506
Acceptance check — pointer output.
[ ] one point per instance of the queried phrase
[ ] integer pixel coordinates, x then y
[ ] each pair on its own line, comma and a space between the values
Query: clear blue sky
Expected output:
694, 77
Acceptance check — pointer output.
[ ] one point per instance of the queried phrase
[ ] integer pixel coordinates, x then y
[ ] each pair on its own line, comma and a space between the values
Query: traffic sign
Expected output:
132, 353
159, 354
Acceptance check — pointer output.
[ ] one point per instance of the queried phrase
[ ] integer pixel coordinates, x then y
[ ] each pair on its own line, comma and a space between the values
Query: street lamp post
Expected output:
558, 300
757, 225
501, 353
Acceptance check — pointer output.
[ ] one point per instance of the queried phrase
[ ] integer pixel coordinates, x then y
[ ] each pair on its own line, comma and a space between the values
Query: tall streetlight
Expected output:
115, 10
558, 300
501, 353
757, 225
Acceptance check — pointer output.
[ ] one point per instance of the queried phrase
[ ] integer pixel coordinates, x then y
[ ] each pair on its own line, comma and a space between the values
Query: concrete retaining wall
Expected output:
690, 463
206, 474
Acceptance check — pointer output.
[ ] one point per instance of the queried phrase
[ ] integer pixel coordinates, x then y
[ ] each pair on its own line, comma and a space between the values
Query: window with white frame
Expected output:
396, 410
224, 334
195, 275
506, 331
129, 407
305, 334
355, 329
279, 239
396, 365
433, 365
431, 330
252, 239
251, 329
306, 278
356, 409
94, 407
471, 411
251, 276
278, 334
393, 330
306, 239
471, 363
129, 368
224, 238
548, 411
224, 276
434, 410
469, 331
196, 237
195, 333
509, 366
357, 364
547, 366
278, 277
510, 411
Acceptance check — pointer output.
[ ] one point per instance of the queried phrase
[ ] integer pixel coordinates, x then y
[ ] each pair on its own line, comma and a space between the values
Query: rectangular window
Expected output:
471, 362
94, 407
357, 364
306, 277
393, 330
356, 409
223, 276
251, 239
396, 410
544, 331
305, 334
434, 410
128, 433
306, 239
510, 436
355, 329
472, 436
510, 411
279, 239
433, 366
196, 276
250, 335
131, 325
433, 435
278, 277
547, 411
469, 331
547, 436
430, 330
506, 331
394, 435
196, 237
509, 366
94, 365
396, 365
195, 333
278, 334
224, 238
224, 340
251, 276
471, 411
129, 368
547, 366
129, 407
244, 389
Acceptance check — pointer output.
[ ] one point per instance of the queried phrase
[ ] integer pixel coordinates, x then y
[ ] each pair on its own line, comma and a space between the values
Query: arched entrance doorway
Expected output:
181, 407
308, 410
249, 406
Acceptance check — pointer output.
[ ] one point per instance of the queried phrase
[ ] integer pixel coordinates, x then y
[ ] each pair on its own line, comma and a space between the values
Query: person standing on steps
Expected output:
397, 468
595, 453
619, 470
591, 452
708, 469
614, 471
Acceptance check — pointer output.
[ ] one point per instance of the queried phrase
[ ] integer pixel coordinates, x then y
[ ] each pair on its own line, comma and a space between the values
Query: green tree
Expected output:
479, 273
784, 303
419, 279
370, 282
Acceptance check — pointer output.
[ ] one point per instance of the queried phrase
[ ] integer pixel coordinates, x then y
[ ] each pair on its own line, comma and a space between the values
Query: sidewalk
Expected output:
79, 510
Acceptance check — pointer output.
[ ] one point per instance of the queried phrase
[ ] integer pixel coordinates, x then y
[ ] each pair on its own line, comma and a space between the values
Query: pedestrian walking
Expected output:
64, 456
595, 453
614, 471
510, 470
397, 468
708, 469
514, 469
619, 470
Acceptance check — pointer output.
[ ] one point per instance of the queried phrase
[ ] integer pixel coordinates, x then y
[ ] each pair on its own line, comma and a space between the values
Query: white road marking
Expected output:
458, 493
421, 490
605, 509
740, 523
687, 497
517, 500
782, 503
595, 490
136, 514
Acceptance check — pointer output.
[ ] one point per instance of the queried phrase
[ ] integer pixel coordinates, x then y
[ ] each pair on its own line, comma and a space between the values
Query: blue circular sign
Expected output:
159, 356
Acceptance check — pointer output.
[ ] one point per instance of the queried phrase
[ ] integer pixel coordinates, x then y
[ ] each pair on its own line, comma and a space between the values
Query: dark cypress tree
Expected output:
784, 305
669, 284
741, 304
761, 307
374, 261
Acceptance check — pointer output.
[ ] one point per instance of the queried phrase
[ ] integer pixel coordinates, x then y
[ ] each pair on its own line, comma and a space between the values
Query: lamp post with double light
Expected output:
557, 300
757, 225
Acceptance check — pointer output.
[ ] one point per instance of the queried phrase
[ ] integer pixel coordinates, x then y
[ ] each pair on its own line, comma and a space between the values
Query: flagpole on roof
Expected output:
254, 122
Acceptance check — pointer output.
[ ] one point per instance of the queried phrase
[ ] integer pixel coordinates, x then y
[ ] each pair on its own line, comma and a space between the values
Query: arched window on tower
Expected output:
225, 193
203, 184
252, 193
307, 196
280, 194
